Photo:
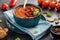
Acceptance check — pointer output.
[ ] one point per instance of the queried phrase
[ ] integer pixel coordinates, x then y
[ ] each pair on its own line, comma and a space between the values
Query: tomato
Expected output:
32, 9
40, 2
58, 1
45, 4
13, 3
4, 6
28, 14
52, 4
27, 10
58, 6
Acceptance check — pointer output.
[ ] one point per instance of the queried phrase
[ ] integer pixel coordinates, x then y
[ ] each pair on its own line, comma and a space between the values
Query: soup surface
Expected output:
56, 30
28, 12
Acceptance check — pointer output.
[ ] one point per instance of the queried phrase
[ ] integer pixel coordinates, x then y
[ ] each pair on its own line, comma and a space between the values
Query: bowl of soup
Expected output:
55, 31
28, 16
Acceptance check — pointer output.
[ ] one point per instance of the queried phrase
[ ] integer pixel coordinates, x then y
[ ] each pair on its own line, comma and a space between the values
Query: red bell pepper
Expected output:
13, 3
4, 6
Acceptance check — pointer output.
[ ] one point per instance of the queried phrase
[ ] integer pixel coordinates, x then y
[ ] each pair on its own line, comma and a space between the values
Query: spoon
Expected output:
25, 2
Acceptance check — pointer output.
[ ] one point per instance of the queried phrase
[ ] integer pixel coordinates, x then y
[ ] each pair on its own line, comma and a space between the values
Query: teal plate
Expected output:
36, 32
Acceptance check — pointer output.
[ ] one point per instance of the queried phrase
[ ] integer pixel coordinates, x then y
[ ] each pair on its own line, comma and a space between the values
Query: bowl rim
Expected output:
27, 5
53, 31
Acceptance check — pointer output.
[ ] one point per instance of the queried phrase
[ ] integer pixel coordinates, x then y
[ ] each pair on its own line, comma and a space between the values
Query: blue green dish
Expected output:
28, 22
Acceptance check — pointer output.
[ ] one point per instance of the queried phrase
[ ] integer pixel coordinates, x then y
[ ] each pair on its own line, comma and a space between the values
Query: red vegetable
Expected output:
45, 4
4, 6
52, 4
13, 3
40, 2
27, 10
58, 6
58, 1
32, 9
28, 14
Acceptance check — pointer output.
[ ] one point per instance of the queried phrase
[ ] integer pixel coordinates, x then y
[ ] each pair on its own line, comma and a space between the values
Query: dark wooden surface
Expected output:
12, 35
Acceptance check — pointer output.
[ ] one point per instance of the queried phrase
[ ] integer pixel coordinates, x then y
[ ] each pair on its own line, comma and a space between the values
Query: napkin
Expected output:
36, 32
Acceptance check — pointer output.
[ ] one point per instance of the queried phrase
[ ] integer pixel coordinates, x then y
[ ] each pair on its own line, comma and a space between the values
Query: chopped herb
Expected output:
0, 21
45, 12
7, 23
36, 11
12, 27
58, 18
48, 14
35, 31
17, 38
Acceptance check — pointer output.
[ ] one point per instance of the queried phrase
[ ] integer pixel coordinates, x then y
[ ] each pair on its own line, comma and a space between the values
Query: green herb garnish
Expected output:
35, 31
45, 12
48, 14
0, 21
36, 11
17, 38
59, 18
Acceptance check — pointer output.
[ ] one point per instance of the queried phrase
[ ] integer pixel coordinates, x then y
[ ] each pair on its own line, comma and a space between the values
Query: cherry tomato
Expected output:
13, 3
58, 1
45, 4
52, 4
4, 6
40, 2
58, 6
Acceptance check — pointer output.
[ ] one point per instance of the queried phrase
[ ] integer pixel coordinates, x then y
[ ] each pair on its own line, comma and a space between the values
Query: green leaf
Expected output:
17, 38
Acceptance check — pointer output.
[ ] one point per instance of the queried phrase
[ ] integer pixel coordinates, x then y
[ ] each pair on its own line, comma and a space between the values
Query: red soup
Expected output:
28, 12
